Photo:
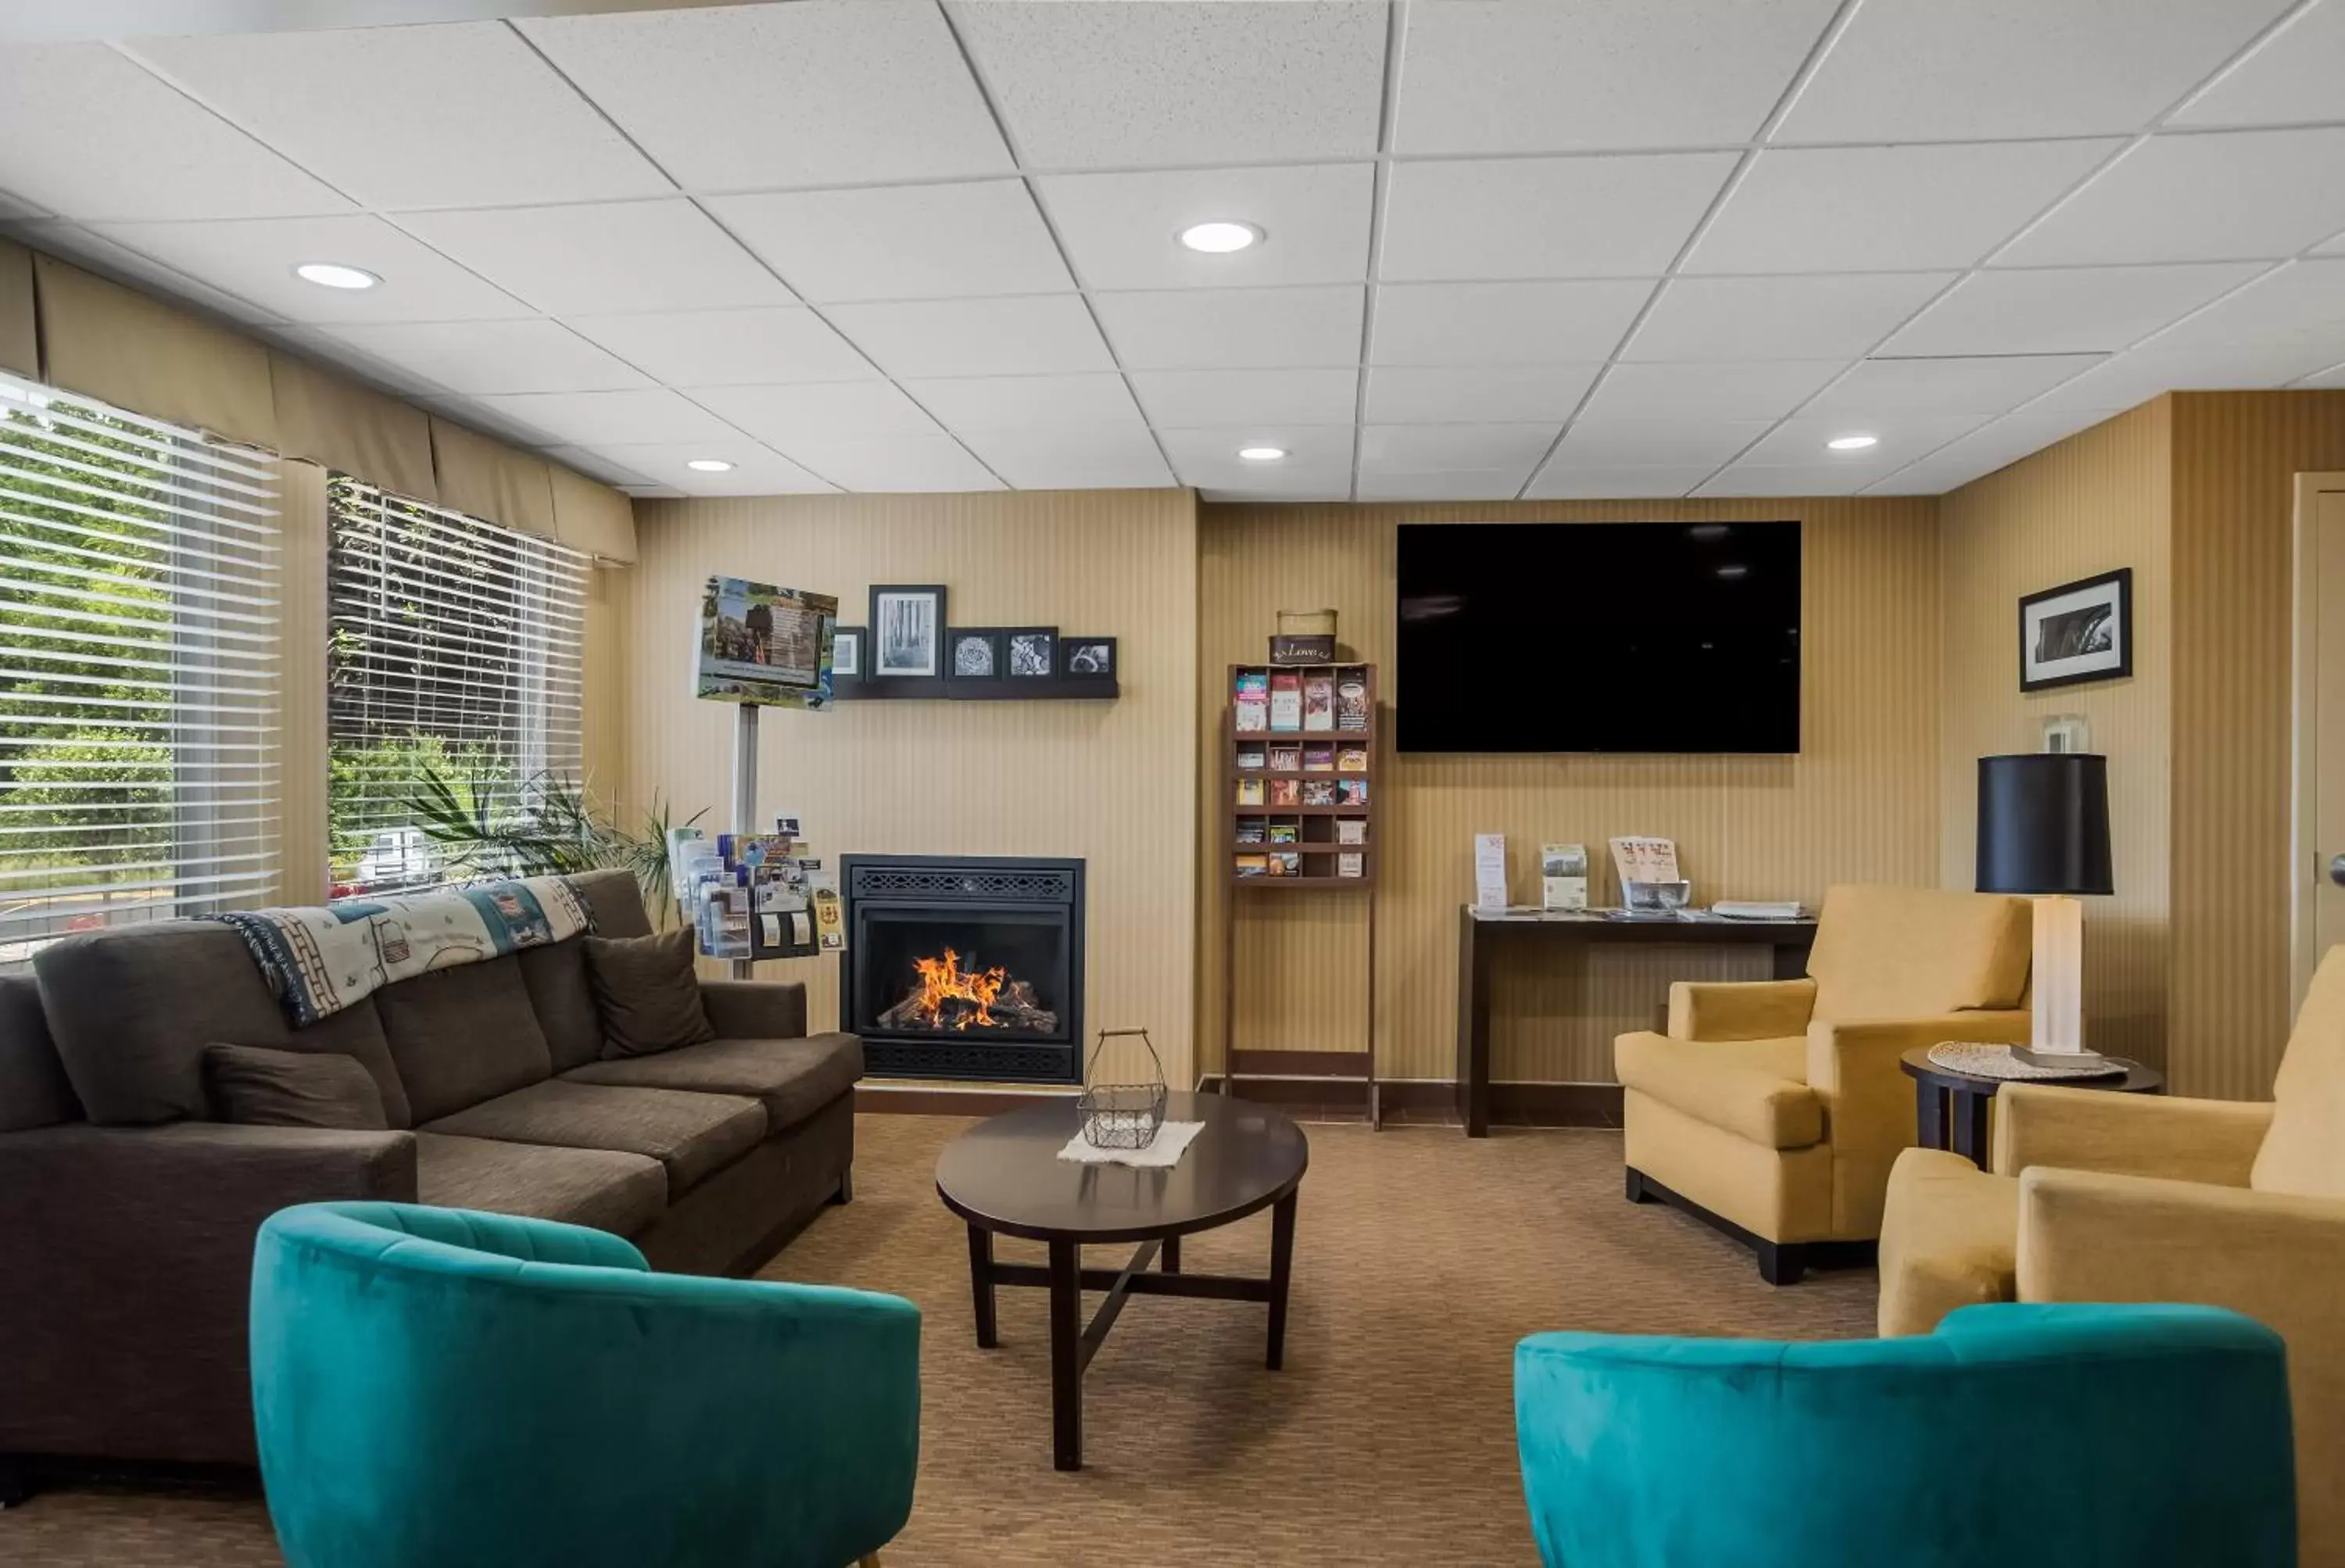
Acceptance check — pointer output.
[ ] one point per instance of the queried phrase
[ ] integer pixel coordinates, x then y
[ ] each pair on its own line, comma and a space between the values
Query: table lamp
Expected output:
2044, 830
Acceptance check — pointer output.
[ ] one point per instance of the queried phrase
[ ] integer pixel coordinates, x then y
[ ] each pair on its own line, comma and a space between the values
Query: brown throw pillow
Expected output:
647, 993
264, 1088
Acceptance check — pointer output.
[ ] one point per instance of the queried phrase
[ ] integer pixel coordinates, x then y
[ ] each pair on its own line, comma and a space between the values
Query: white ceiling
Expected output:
1608, 248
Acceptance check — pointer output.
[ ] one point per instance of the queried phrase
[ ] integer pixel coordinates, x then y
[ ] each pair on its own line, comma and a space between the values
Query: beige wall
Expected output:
1859, 802
1113, 782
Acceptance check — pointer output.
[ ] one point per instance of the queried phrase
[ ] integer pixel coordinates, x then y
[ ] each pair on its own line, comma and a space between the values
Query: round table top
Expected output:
2136, 1079
1005, 1173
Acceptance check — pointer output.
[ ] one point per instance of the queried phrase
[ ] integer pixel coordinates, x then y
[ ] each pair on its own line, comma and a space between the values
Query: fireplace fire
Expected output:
950, 997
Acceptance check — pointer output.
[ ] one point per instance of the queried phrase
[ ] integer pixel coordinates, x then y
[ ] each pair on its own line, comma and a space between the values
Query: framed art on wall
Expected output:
1086, 657
2078, 631
907, 630
1033, 653
847, 651
974, 652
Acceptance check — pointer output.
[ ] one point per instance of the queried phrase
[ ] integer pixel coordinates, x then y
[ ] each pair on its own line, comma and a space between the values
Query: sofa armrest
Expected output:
1740, 1010
754, 1009
2128, 1134
1853, 1068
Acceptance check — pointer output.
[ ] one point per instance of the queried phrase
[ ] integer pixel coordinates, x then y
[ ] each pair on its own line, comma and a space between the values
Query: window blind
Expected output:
456, 675
139, 657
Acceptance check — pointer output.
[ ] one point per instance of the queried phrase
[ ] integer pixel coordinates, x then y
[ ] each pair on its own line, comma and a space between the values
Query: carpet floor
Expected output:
1421, 1257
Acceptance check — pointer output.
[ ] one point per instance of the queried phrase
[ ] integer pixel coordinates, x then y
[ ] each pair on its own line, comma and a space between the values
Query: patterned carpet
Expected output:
1420, 1258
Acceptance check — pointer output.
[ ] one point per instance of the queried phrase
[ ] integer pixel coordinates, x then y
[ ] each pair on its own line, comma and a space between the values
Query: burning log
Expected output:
953, 998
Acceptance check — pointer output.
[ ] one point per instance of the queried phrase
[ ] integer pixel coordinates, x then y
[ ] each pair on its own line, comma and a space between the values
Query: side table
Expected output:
1950, 1107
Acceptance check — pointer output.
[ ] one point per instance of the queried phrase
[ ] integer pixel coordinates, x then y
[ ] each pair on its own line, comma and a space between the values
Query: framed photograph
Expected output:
2076, 632
1087, 658
847, 651
973, 653
1031, 653
908, 630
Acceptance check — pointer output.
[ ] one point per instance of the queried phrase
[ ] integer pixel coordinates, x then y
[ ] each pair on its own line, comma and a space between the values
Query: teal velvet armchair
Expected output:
2016, 1436
437, 1388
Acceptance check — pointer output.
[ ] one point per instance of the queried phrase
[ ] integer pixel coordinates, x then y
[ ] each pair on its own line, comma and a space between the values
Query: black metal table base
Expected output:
1072, 1344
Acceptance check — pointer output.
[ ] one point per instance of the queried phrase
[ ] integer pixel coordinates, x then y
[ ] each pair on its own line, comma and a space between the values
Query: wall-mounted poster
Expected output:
2077, 631
764, 645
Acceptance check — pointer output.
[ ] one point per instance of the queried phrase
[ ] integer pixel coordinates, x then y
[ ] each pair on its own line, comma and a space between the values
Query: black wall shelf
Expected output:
946, 688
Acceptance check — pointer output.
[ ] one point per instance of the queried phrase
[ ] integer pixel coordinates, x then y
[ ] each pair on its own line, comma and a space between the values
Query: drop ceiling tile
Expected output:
747, 97
485, 416
1234, 329
1444, 484
1120, 229
1637, 442
603, 257
594, 465
606, 418
474, 358
1187, 398
1988, 384
755, 471
322, 345
1546, 218
1530, 75
2219, 196
2135, 378
1059, 459
2334, 376
1046, 334
1106, 87
896, 464
730, 348
72, 242
2290, 78
2302, 303
1090, 403
785, 415
1766, 389
1867, 208
255, 257
1745, 479
1318, 465
1429, 448
2070, 309
1906, 69
459, 115
901, 241
1503, 323
1841, 316
1800, 443
1635, 483
148, 153
1412, 395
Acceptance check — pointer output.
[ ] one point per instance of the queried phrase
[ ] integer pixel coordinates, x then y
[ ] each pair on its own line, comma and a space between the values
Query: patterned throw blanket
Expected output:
323, 958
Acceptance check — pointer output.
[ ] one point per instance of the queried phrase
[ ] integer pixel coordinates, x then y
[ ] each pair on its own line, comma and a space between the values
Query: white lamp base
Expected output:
2058, 1037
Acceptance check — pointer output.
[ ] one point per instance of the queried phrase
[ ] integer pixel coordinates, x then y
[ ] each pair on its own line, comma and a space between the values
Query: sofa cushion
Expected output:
645, 989
690, 1134
615, 900
132, 1008
1916, 953
792, 1079
33, 1088
1755, 1089
463, 1035
255, 1087
564, 1002
619, 1192
2304, 1152
1949, 1238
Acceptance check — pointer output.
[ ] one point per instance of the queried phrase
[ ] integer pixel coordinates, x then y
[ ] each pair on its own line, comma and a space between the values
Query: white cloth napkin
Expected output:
1172, 1140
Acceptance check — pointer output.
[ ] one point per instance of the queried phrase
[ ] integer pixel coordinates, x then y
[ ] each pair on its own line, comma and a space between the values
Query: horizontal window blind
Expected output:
456, 676
138, 663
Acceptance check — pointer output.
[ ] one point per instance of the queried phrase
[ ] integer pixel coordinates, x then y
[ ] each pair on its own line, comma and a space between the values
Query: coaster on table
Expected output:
1172, 1140
1982, 1061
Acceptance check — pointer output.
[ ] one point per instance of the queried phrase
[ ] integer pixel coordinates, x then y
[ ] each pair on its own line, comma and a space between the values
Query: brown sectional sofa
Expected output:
126, 1217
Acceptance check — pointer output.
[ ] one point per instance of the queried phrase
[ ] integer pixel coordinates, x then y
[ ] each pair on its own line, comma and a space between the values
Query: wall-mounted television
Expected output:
1597, 636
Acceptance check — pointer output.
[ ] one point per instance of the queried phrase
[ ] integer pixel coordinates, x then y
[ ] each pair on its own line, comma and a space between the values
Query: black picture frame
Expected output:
1045, 668
2078, 632
993, 642
848, 637
1098, 655
875, 666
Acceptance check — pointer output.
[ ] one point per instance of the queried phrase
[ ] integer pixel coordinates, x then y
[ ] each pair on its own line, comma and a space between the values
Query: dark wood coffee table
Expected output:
1005, 1177
1962, 1127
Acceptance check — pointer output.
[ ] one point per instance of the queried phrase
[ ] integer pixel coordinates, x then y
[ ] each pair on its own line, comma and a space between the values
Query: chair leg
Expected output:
1782, 1263
845, 1194
1637, 1193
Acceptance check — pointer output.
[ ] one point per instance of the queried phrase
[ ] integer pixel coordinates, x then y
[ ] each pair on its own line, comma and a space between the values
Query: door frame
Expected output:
2304, 855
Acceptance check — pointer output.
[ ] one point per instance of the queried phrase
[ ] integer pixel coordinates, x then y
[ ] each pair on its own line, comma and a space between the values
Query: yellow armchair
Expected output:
1774, 1109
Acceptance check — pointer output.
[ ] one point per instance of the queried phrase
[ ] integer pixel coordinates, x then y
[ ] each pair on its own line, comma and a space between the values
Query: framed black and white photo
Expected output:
908, 630
1087, 658
847, 651
1032, 653
2076, 632
975, 653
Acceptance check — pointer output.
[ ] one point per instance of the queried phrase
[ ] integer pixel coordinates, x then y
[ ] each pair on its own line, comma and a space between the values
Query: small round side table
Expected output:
1960, 1125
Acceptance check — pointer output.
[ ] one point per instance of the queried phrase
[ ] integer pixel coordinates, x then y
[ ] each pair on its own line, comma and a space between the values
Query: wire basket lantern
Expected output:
1123, 1116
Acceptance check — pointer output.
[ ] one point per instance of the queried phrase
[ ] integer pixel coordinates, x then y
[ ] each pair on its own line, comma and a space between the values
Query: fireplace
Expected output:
965, 966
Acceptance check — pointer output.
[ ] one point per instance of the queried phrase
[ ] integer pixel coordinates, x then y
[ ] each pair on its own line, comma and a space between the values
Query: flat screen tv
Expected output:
1598, 637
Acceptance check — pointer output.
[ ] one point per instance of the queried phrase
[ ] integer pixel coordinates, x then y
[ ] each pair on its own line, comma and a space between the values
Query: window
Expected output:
138, 669
455, 677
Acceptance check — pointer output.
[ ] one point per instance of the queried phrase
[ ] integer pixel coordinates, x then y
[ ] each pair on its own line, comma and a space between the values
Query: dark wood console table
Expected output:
1479, 934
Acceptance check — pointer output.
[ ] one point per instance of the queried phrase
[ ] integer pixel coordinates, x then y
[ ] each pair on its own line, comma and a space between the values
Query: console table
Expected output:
1481, 933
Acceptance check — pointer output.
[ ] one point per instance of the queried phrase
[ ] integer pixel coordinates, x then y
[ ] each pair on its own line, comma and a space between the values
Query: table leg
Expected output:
1169, 1255
1473, 1027
1066, 1355
1282, 1266
1970, 1125
1929, 1114
980, 1285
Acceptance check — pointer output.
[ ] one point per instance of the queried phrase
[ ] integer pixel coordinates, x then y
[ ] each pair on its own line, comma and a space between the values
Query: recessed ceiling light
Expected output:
710, 465
1852, 443
334, 275
1262, 453
1219, 239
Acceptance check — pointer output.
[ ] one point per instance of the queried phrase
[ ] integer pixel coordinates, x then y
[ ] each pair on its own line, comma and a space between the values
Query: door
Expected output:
2317, 878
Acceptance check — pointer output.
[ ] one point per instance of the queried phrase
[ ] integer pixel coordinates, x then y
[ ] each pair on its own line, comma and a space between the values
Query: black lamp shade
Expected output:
2044, 823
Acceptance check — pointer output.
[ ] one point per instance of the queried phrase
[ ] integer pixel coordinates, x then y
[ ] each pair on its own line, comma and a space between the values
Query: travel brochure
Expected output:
1289, 701
1274, 774
756, 895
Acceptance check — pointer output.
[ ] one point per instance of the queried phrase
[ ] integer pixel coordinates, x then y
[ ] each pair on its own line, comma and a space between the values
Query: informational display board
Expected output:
759, 644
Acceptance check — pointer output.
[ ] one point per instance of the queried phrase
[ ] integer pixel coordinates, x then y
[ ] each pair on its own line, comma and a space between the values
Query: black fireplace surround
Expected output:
1021, 915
